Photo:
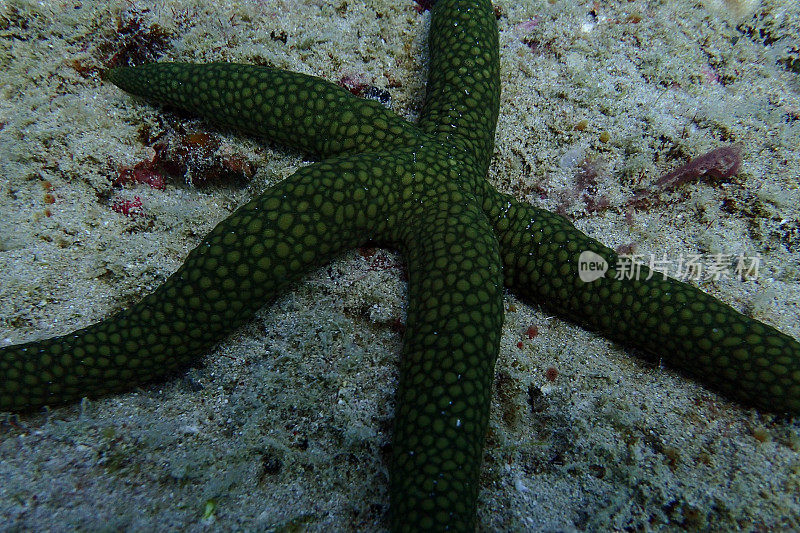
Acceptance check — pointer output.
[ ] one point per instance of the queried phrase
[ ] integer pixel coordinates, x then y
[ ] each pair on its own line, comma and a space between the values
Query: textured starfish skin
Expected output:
421, 189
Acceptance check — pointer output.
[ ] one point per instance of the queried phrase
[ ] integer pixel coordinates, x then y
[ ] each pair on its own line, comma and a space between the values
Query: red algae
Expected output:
127, 207
720, 163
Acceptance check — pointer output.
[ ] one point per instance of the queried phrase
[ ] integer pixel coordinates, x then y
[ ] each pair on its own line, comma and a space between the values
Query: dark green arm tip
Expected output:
741, 357
298, 110
108, 75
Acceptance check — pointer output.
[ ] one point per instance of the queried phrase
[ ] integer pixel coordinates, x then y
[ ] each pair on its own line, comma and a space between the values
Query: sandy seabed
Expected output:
287, 422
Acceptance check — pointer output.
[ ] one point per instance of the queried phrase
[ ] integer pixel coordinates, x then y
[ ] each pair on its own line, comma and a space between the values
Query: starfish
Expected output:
419, 188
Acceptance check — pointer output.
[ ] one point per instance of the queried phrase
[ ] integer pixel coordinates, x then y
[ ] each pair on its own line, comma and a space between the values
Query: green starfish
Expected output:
421, 189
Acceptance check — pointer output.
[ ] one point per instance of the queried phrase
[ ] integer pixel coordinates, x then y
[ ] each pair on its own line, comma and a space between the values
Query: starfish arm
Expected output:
743, 358
452, 339
244, 261
294, 109
453, 328
463, 91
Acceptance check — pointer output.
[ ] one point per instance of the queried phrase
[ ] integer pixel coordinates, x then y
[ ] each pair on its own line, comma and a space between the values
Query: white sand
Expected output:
286, 423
